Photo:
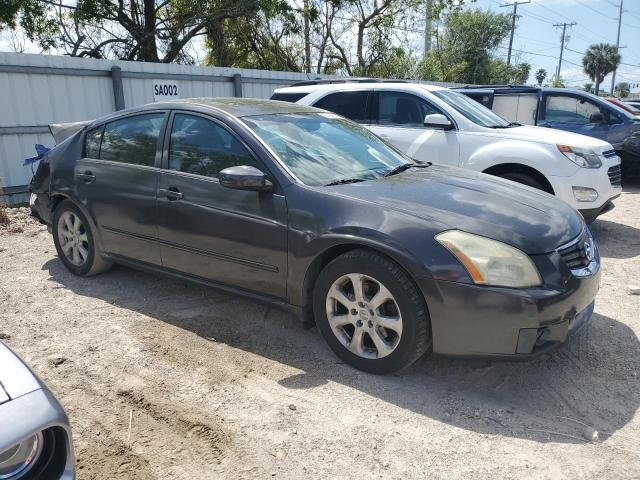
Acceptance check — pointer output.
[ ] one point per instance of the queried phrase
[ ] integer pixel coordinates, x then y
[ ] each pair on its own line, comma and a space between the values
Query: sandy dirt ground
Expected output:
223, 387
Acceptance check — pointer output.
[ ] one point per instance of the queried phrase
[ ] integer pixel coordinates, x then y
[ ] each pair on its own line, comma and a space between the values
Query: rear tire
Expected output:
524, 179
75, 241
382, 329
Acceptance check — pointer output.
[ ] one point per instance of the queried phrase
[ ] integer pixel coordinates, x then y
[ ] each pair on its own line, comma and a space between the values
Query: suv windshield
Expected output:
323, 148
471, 109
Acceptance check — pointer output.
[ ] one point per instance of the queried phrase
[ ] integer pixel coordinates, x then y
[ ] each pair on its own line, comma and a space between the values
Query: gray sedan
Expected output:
35, 436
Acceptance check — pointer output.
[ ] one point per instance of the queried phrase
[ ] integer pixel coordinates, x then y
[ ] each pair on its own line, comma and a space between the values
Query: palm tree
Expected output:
623, 89
588, 87
540, 76
600, 60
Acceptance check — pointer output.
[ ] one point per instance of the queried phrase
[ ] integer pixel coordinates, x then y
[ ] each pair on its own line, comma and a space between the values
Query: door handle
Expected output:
87, 177
171, 193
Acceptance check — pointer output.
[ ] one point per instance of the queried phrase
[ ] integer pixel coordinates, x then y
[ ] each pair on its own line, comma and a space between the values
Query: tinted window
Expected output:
132, 139
352, 105
203, 147
92, 142
288, 97
397, 108
576, 110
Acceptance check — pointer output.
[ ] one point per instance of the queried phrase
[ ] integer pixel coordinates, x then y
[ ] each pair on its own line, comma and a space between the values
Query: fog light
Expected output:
18, 460
584, 194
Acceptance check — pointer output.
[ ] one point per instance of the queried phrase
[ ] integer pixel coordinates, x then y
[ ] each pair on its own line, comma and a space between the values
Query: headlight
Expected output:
18, 460
490, 262
582, 158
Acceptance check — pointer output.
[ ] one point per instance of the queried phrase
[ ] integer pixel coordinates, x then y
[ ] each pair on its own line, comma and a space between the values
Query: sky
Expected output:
537, 41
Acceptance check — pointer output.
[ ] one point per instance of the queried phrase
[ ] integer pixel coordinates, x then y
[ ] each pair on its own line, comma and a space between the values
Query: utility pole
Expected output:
307, 39
562, 42
613, 76
427, 26
513, 24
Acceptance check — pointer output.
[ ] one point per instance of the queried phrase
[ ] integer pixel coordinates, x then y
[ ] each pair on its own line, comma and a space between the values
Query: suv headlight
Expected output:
581, 157
490, 262
16, 461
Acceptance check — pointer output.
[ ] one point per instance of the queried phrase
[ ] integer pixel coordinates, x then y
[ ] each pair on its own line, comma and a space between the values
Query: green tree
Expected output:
34, 19
588, 87
541, 74
623, 89
557, 82
520, 73
599, 60
463, 49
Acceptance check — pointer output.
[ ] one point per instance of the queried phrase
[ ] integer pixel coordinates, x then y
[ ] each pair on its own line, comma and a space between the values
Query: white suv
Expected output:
439, 125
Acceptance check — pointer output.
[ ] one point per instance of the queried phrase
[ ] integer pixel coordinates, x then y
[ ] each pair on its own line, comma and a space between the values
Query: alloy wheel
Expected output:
364, 316
72, 236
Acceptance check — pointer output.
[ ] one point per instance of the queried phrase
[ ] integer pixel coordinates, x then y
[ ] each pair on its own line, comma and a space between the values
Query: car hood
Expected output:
553, 136
16, 379
453, 198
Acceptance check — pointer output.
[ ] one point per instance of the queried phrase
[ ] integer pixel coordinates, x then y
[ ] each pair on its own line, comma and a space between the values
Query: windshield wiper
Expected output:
508, 125
406, 166
344, 181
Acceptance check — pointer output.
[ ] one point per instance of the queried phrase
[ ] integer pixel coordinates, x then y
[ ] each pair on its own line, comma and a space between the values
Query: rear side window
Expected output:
288, 97
204, 147
352, 105
518, 107
398, 108
132, 139
92, 142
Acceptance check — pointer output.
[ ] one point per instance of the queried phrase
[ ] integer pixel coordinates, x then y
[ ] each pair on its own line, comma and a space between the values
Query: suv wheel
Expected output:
524, 179
75, 242
371, 313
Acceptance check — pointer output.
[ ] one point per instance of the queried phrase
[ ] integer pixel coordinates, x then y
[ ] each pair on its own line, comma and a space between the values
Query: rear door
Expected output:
398, 117
234, 237
117, 181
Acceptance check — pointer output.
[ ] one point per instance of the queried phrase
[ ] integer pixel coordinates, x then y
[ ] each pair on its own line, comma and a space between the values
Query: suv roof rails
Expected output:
520, 87
327, 81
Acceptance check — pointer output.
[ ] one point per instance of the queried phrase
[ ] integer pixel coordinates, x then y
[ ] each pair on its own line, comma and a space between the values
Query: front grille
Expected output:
609, 153
574, 253
615, 175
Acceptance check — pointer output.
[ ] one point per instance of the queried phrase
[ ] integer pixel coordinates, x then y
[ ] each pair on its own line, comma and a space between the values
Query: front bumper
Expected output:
480, 321
597, 179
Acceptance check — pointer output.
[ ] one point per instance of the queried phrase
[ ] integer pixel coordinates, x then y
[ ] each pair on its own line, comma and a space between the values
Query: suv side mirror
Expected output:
596, 118
437, 120
244, 177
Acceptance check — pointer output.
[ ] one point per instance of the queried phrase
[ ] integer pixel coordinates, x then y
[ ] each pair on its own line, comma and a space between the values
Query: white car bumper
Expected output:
604, 180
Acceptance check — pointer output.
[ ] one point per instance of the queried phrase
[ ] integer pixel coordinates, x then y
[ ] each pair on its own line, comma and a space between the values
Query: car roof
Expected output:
359, 85
237, 107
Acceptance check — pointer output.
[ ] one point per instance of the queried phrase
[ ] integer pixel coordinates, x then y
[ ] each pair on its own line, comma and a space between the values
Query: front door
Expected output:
117, 181
400, 121
234, 237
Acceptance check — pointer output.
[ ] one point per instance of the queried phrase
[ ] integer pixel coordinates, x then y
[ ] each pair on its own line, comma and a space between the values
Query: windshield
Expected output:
324, 148
471, 109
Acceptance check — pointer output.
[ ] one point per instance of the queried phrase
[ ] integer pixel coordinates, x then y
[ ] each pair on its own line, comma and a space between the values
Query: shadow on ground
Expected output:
591, 380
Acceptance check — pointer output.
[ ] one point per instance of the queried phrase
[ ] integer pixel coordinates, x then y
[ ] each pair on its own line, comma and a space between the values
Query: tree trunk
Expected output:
220, 53
307, 39
148, 49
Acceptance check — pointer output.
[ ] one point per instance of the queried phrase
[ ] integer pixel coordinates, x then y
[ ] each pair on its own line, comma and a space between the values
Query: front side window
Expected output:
203, 147
471, 109
352, 105
132, 139
321, 148
566, 109
403, 109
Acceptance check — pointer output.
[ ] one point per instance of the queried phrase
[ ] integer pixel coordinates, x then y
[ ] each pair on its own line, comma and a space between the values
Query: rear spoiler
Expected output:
62, 131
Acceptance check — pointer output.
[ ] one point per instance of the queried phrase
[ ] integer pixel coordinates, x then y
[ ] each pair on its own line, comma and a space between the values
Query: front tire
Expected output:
371, 313
524, 179
75, 241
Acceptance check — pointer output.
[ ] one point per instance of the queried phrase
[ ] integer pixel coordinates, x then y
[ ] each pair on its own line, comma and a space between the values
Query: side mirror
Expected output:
244, 178
437, 120
596, 118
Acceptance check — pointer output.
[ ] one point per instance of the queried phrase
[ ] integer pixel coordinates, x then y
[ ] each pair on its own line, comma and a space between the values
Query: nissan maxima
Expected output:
35, 437
292, 205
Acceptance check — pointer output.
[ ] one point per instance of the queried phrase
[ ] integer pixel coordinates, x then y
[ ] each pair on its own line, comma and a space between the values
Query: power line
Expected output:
594, 10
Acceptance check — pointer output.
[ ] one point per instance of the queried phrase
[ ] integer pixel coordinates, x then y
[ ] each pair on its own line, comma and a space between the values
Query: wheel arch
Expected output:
502, 168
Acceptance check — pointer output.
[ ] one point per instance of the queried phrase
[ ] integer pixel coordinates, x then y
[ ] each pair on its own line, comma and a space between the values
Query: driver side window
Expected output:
575, 110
